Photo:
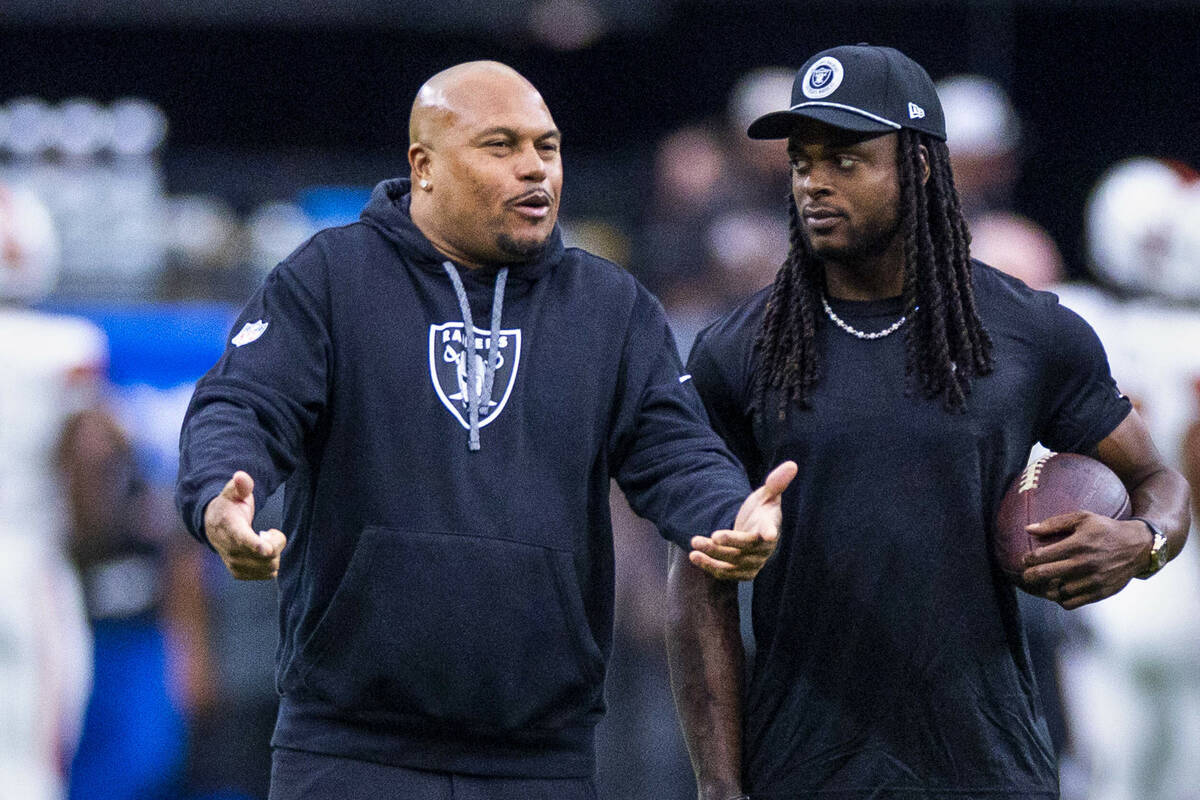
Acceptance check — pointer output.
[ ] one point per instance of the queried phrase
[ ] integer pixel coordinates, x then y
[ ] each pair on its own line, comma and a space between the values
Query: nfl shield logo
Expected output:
448, 354
249, 332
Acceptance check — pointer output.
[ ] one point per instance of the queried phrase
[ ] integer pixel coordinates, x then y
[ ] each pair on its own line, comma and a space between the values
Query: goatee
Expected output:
521, 250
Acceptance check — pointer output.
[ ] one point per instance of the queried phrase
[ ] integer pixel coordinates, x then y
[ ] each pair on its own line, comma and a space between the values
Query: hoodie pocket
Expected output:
464, 629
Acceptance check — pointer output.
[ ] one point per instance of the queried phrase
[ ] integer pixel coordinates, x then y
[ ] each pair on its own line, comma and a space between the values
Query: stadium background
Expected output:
306, 108
263, 102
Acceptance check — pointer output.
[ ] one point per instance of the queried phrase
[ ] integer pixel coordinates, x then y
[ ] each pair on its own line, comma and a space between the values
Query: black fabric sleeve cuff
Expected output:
206, 495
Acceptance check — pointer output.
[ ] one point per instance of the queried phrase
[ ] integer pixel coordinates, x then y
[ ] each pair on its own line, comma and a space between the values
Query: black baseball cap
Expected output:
859, 88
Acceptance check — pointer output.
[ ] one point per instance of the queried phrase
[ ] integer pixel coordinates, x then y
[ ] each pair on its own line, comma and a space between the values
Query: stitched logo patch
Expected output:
448, 354
249, 332
822, 78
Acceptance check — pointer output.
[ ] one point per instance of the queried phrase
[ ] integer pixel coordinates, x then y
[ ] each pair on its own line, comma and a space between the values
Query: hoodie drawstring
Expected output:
474, 397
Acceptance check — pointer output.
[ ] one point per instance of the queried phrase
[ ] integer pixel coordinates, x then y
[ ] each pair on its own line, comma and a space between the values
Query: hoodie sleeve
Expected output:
253, 410
673, 468
710, 366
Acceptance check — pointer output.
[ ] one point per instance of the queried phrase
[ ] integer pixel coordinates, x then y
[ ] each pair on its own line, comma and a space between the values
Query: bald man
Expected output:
448, 391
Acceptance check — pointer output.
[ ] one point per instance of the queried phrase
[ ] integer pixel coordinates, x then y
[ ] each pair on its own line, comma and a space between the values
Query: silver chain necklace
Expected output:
855, 332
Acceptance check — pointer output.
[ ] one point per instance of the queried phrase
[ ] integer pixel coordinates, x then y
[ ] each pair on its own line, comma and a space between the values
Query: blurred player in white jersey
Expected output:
1133, 681
50, 367
1134, 687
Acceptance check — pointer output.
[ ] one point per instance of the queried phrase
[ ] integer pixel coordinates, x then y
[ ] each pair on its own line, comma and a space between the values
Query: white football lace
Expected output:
1029, 478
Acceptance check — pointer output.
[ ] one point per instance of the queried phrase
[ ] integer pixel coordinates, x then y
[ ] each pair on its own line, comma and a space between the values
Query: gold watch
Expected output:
1158, 549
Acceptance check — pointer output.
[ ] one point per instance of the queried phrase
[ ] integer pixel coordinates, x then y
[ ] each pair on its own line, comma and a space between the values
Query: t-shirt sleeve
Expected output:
725, 394
1082, 403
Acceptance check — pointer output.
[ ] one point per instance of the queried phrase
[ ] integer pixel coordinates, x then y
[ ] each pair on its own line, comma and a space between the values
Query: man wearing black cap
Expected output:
909, 383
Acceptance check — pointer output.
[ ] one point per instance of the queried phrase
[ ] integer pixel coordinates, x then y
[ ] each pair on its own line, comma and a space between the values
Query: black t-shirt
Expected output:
890, 658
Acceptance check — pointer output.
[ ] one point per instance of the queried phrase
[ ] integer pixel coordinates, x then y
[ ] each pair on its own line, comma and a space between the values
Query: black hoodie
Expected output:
442, 608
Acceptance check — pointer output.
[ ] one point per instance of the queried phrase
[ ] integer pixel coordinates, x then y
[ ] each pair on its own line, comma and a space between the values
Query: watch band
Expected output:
1158, 548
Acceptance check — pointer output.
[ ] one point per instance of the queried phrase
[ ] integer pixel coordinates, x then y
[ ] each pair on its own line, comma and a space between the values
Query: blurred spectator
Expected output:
1133, 682
759, 168
147, 619
746, 240
184, 654
1018, 246
29, 245
983, 133
746, 246
49, 368
690, 186
712, 233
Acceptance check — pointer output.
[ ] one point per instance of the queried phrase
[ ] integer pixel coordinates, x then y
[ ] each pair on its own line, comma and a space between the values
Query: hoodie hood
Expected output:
388, 212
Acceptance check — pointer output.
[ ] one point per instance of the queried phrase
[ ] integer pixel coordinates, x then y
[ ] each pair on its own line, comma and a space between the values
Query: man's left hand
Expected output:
740, 553
1096, 559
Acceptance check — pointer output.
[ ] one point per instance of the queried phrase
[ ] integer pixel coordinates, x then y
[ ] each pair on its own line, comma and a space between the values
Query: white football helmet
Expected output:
1143, 228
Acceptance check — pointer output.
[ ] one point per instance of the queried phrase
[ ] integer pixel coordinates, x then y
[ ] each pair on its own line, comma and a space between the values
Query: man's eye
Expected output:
845, 162
799, 166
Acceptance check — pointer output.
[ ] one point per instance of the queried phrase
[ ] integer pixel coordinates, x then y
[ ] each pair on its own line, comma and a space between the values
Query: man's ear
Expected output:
924, 163
419, 158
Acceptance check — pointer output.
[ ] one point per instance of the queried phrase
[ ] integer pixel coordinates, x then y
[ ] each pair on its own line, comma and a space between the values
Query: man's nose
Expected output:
530, 165
815, 182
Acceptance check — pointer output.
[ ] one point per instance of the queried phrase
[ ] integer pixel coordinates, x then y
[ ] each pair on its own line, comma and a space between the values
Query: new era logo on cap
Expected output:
915, 111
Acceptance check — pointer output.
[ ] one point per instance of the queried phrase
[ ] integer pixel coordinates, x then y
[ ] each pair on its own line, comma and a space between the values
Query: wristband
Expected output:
1158, 548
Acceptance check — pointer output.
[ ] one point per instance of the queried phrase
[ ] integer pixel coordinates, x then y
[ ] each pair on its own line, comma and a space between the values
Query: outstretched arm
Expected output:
704, 651
1101, 555
739, 554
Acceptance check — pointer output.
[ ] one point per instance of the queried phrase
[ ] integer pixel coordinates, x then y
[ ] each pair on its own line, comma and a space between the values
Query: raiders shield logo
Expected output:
448, 355
822, 78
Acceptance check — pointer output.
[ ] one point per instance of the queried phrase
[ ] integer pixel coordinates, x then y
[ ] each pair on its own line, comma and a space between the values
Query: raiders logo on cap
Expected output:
823, 78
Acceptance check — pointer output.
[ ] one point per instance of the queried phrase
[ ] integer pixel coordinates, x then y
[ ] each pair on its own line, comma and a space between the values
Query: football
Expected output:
1055, 483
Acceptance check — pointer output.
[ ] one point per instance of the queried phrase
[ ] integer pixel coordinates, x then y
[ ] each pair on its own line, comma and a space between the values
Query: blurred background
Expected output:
158, 158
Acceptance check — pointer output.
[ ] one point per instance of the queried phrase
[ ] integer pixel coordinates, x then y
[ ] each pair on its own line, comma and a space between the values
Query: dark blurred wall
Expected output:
264, 109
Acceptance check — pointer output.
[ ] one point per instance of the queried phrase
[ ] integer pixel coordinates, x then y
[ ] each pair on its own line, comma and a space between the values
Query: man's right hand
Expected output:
740, 553
228, 524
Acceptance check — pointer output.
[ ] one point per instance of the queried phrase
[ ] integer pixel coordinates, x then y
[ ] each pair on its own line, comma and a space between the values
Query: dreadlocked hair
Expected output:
945, 343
